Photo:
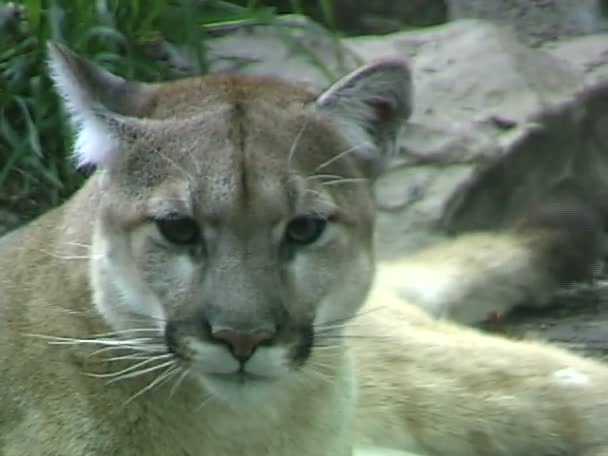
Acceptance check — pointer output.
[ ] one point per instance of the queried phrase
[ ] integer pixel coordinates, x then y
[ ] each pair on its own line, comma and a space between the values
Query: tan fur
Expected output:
243, 157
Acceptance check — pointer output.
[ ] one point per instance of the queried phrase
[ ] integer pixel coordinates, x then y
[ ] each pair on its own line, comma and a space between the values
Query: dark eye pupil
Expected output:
180, 231
305, 230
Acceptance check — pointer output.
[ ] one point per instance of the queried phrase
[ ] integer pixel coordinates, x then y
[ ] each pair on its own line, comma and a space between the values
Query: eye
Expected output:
305, 230
179, 230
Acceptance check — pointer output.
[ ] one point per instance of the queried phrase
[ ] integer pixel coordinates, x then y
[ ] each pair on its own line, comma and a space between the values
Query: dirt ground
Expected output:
577, 320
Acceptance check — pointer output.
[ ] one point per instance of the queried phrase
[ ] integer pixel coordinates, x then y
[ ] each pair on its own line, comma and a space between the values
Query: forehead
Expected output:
234, 144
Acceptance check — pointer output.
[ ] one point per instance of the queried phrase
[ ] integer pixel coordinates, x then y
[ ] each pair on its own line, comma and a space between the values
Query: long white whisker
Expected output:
140, 344
126, 331
78, 244
327, 347
340, 155
134, 351
178, 382
351, 180
172, 162
127, 357
324, 176
352, 318
316, 373
204, 402
342, 325
132, 368
160, 379
69, 257
139, 373
294, 144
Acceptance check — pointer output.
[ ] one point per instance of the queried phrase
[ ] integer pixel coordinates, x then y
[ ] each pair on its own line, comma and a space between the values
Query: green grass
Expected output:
35, 141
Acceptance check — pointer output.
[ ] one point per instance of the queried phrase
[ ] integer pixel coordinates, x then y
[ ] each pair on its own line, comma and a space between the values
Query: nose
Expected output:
242, 344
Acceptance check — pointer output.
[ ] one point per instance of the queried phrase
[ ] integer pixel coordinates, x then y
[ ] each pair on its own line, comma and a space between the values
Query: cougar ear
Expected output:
370, 105
102, 106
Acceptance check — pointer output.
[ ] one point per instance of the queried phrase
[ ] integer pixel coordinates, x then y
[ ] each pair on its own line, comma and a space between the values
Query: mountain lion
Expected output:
210, 290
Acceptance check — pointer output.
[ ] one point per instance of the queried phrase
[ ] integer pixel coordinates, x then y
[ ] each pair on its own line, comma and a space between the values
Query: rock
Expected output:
537, 21
496, 126
292, 47
588, 54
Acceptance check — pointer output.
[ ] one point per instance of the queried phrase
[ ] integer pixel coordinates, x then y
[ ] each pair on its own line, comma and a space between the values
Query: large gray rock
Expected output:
291, 47
537, 21
496, 126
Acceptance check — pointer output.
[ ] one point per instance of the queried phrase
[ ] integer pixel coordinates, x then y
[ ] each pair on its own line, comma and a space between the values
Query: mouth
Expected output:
240, 378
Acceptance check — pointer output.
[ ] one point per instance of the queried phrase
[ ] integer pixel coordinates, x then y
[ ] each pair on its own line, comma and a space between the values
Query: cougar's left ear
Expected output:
370, 105
104, 108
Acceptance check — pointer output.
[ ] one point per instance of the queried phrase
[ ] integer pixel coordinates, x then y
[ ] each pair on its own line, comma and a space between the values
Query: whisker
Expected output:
135, 317
160, 379
78, 244
169, 373
141, 345
351, 318
340, 155
323, 198
125, 331
314, 372
104, 350
327, 345
131, 368
58, 340
294, 144
180, 168
354, 336
179, 381
138, 373
68, 257
347, 324
351, 180
204, 402
133, 351
127, 357
324, 176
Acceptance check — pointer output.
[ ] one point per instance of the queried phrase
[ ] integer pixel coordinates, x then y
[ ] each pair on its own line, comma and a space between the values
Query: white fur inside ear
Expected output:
95, 144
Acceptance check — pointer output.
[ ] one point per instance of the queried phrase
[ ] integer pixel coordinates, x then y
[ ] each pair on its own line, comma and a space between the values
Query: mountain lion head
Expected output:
235, 214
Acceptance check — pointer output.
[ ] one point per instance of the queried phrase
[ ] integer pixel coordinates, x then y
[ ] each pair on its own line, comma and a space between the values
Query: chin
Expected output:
240, 389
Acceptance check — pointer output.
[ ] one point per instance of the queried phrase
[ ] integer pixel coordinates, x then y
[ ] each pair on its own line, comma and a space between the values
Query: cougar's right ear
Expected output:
103, 107
370, 105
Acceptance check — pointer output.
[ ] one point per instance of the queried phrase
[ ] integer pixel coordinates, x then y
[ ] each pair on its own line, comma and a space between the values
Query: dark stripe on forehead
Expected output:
239, 138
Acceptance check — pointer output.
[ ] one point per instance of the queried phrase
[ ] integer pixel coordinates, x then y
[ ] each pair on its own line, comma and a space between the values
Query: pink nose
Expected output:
242, 344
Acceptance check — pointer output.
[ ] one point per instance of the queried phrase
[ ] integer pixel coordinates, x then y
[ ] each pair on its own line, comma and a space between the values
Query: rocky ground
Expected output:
577, 320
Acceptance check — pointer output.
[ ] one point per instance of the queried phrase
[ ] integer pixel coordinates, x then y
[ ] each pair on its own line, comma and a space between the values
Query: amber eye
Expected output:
305, 230
179, 230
